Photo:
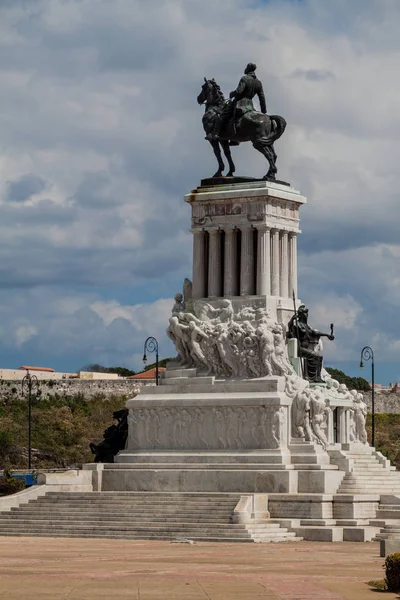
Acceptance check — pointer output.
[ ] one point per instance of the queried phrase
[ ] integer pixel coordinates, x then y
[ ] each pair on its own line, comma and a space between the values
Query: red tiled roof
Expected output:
48, 369
150, 374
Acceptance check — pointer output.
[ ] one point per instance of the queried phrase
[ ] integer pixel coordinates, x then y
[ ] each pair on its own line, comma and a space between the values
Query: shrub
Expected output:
9, 484
392, 568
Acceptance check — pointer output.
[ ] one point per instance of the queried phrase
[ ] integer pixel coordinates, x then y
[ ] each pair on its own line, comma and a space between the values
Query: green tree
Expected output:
95, 368
353, 383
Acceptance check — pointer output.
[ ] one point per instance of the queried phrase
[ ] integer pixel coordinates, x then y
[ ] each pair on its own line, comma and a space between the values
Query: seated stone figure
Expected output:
114, 438
308, 340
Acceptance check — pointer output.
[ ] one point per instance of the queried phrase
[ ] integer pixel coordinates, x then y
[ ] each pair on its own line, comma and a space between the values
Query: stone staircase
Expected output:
138, 515
388, 518
368, 474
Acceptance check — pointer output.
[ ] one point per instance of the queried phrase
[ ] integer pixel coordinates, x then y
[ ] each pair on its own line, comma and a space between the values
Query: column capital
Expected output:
212, 230
229, 227
245, 226
262, 226
197, 231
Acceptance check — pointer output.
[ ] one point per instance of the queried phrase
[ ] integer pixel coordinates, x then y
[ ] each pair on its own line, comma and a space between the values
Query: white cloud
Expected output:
23, 333
101, 105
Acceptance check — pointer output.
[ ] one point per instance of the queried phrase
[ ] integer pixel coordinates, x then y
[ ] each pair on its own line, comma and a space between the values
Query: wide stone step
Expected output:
374, 489
125, 525
387, 514
136, 514
153, 501
134, 509
309, 459
147, 498
374, 480
189, 382
369, 468
149, 530
128, 536
150, 502
144, 495
139, 466
12, 517
371, 483
363, 491
179, 373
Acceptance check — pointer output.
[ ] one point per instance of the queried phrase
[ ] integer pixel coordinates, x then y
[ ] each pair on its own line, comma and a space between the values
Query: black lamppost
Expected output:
368, 354
151, 345
30, 384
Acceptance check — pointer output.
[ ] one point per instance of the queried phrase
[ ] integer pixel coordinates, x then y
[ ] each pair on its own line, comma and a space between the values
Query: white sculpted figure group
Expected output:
251, 344
311, 411
213, 339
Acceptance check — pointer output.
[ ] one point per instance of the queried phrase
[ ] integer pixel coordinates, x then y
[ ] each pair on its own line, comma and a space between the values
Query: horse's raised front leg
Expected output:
268, 151
227, 151
217, 152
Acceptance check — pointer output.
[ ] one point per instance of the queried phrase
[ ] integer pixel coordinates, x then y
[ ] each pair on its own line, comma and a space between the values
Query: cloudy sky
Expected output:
100, 138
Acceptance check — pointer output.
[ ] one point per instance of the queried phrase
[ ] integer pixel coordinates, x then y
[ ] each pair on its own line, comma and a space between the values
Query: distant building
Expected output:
147, 376
43, 369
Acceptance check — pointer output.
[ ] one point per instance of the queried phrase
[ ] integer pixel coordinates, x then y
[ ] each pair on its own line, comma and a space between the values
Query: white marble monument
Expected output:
235, 394
233, 412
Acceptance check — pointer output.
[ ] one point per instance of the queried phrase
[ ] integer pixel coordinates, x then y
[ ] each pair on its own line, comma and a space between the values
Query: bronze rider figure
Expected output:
241, 100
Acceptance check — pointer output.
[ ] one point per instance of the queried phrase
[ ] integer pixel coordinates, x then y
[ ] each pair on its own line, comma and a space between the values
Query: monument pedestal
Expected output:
234, 414
245, 244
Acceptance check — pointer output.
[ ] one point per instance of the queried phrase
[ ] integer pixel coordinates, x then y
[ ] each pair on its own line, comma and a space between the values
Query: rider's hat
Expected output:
251, 67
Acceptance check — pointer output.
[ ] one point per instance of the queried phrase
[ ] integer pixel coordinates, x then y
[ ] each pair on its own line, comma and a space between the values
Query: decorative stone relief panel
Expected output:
219, 213
208, 428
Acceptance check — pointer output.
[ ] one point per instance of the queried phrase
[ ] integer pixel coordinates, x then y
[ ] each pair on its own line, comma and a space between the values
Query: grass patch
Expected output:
379, 585
62, 428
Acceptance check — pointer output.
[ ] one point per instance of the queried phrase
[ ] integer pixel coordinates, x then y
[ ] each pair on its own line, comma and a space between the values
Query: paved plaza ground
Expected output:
78, 569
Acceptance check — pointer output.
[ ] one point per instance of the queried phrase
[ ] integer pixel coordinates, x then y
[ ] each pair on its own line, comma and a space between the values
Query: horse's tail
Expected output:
279, 129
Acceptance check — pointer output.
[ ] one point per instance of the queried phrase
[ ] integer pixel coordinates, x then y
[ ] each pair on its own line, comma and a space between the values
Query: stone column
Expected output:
247, 261
347, 411
230, 262
292, 264
275, 262
330, 431
263, 260
214, 264
284, 264
199, 266
342, 425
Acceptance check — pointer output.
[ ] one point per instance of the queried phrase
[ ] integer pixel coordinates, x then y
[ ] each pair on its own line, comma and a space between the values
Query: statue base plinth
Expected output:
210, 181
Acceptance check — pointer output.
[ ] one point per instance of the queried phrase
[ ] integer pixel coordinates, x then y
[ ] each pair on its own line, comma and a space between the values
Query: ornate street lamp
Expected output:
368, 354
151, 345
30, 384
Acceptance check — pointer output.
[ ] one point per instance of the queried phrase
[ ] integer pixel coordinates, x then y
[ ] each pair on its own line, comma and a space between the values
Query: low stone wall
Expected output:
385, 402
89, 388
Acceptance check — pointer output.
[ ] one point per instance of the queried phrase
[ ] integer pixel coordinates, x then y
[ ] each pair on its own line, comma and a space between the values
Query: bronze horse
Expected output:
255, 127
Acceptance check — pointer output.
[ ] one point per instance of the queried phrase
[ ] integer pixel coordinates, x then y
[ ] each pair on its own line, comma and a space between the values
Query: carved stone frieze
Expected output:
208, 428
213, 338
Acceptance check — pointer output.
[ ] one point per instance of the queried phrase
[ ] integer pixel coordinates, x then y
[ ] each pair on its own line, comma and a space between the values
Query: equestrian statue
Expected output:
229, 122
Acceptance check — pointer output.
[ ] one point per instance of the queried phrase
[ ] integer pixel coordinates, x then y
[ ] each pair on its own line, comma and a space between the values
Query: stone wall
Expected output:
385, 402
89, 388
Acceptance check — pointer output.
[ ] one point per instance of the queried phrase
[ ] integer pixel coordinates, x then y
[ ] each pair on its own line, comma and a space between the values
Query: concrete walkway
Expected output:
78, 569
